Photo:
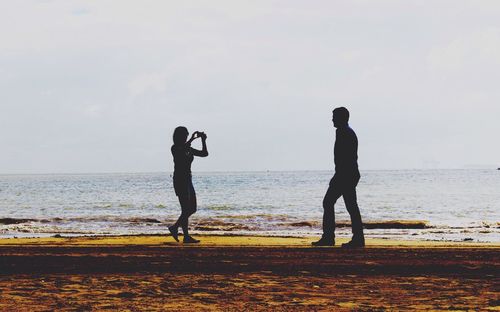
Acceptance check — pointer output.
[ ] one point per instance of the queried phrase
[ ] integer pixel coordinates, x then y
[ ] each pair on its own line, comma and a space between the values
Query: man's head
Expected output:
340, 117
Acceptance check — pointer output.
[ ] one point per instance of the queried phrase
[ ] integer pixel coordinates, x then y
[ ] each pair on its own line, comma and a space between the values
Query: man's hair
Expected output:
180, 135
342, 114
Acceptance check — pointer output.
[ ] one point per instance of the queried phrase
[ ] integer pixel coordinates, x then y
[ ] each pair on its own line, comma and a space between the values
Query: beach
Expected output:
236, 273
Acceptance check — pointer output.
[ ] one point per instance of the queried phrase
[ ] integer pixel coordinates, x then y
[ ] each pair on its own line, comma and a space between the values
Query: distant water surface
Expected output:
453, 205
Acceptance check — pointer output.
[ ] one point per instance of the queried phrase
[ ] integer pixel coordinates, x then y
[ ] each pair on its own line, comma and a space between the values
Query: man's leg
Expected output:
331, 196
351, 204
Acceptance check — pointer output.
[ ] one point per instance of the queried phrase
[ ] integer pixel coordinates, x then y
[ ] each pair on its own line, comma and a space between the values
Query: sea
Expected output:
436, 205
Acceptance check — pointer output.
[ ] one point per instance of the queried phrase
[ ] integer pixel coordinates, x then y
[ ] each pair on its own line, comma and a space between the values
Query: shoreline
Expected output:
226, 240
407, 230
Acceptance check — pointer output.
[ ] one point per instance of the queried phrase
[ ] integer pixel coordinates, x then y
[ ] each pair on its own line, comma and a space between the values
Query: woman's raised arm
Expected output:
204, 150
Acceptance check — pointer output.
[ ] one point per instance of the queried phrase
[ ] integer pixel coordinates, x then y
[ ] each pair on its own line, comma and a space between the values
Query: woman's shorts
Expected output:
184, 187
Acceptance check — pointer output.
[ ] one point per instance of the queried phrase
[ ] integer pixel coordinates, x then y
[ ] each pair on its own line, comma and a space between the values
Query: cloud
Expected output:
93, 110
150, 82
479, 48
80, 11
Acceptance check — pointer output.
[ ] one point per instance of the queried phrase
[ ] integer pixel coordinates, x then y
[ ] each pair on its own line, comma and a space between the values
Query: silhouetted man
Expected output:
343, 183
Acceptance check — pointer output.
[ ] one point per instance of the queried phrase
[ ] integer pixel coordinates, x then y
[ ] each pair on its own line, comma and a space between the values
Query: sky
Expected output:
99, 86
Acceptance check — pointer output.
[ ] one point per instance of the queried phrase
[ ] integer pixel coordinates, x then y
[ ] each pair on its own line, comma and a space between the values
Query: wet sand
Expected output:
244, 273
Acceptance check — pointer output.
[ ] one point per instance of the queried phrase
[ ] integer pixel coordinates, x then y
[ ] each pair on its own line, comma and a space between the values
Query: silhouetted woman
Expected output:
183, 157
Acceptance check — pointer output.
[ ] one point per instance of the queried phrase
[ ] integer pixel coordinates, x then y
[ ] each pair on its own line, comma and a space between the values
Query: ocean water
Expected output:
451, 205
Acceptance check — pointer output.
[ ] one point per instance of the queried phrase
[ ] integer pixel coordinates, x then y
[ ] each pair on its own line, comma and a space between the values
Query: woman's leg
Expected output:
188, 206
189, 210
183, 219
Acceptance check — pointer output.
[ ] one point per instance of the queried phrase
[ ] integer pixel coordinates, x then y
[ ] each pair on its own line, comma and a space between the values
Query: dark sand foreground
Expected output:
244, 273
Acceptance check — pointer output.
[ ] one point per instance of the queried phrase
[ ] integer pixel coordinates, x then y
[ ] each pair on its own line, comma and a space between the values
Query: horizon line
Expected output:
239, 171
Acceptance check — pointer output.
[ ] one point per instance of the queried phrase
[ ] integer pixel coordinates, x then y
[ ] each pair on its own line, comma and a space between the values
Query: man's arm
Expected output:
346, 157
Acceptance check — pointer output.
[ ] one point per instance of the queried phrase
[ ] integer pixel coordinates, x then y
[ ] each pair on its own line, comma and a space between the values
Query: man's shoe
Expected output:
324, 242
355, 243
190, 240
175, 232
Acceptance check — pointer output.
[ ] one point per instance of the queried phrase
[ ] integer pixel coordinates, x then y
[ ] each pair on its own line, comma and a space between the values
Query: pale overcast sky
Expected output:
99, 86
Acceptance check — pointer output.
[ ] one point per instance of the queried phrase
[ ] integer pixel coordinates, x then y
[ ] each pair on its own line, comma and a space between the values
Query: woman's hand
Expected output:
195, 135
202, 135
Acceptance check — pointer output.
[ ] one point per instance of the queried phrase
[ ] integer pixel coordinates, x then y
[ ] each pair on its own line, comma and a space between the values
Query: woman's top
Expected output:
183, 157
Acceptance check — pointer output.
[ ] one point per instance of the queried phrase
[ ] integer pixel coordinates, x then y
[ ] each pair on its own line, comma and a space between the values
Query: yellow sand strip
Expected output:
214, 240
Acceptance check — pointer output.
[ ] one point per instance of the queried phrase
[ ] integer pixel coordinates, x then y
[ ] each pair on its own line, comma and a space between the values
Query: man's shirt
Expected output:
346, 151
